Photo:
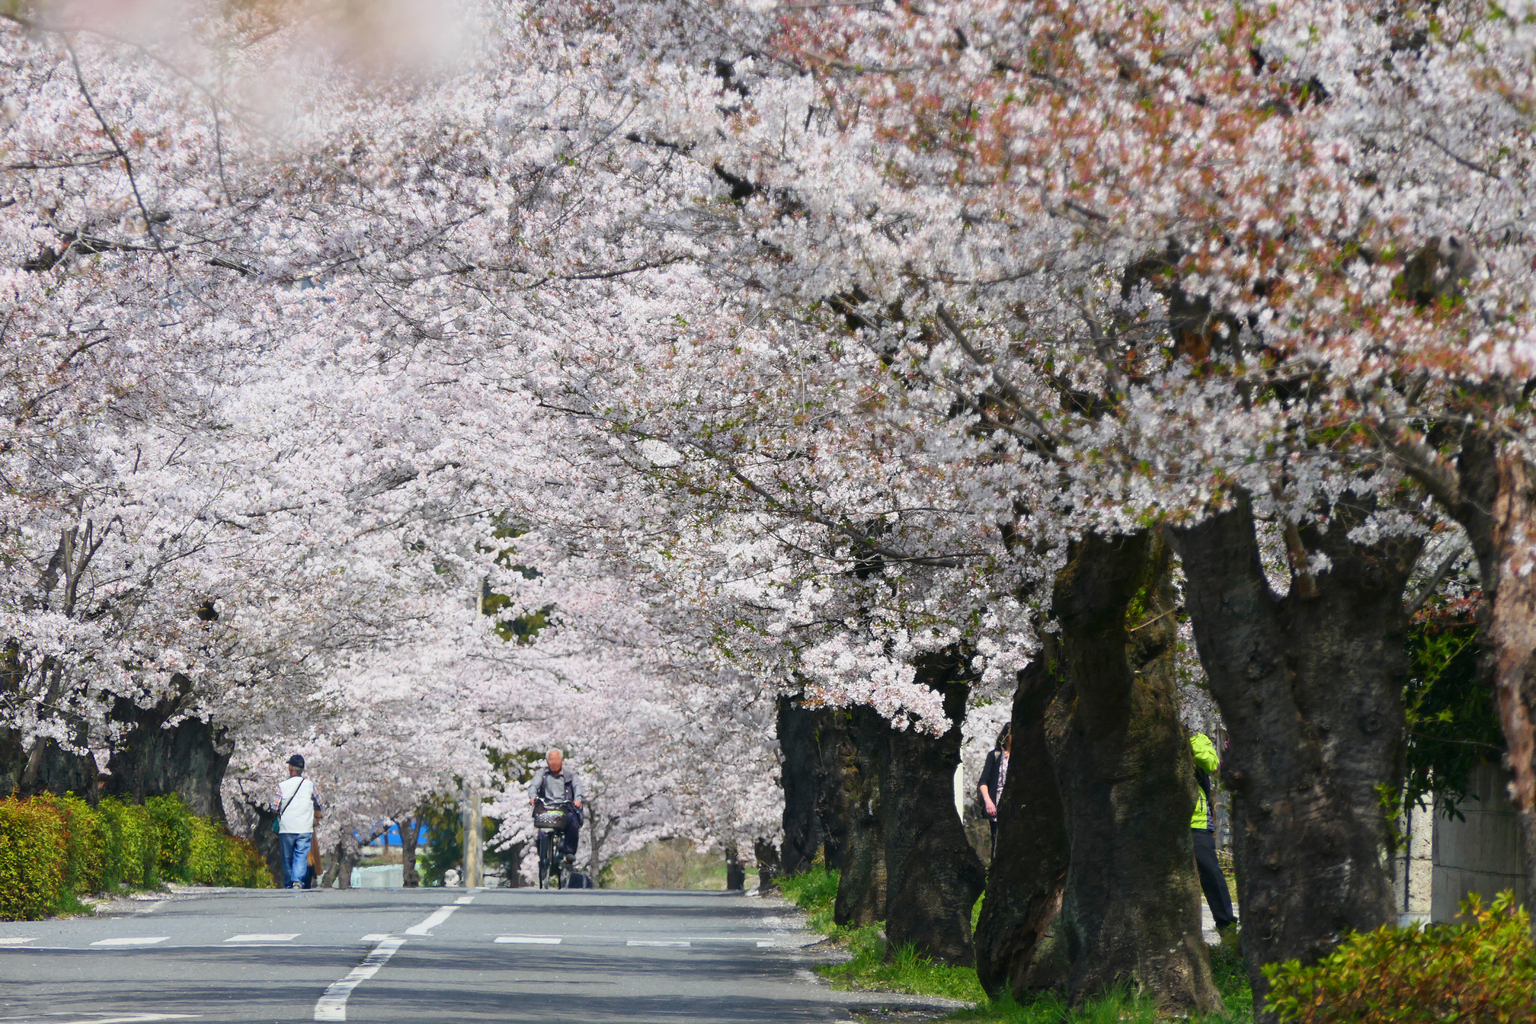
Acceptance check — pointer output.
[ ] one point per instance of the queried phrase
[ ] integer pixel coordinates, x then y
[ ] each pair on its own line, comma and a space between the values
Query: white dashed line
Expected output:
148, 940
438, 917
333, 1005
464, 901
673, 943
16, 942
531, 940
261, 937
373, 938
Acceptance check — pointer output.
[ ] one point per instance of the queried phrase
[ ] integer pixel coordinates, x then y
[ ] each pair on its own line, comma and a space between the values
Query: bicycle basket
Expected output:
549, 819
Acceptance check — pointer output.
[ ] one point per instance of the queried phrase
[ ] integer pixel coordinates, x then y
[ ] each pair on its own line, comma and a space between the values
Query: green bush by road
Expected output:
54, 849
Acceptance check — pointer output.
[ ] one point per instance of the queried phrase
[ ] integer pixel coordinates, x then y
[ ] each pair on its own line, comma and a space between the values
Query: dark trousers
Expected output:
1212, 882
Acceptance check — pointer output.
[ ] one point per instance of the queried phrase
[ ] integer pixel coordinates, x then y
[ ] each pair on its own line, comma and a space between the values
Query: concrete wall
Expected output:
1444, 859
1482, 854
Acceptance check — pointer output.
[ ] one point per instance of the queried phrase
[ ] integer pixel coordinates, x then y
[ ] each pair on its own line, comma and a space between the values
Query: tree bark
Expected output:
1310, 689
188, 759
410, 877
767, 856
814, 748
735, 874
1510, 641
1016, 943
1130, 905
861, 888
933, 876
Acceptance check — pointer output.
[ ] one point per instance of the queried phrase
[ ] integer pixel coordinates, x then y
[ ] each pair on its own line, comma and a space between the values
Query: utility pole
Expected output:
474, 871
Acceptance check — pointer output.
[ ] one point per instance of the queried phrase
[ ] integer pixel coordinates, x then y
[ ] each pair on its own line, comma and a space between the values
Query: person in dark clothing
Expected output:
1203, 831
994, 774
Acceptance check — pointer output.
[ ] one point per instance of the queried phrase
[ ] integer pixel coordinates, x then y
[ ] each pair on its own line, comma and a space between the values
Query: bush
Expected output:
32, 857
85, 841
815, 892
1482, 971
132, 854
53, 848
173, 835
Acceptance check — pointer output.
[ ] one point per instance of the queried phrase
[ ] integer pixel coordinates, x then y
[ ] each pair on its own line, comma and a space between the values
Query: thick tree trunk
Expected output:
1016, 942
933, 876
188, 759
409, 826
814, 746
861, 888
1130, 906
767, 864
46, 767
1509, 638
1310, 689
735, 874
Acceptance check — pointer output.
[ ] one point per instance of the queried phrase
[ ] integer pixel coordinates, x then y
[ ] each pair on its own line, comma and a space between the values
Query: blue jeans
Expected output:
295, 856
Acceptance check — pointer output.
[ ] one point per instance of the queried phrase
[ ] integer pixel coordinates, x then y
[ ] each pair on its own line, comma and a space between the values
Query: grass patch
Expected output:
874, 966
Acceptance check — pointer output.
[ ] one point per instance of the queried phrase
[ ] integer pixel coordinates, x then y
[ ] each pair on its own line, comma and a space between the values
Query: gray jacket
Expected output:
555, 788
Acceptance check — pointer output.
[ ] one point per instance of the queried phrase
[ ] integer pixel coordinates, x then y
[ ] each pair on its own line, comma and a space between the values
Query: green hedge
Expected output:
53, 848
1483, 970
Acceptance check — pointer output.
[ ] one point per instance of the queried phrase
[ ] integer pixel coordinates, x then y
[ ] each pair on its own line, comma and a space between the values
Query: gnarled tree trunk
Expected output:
814, 744
861, 888
1310, 690
1130, 906
1093, 884
188, 759
933, 876
767, 856
1016, 947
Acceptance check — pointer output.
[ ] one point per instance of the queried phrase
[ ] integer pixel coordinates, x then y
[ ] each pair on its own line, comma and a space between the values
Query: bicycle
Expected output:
555, 868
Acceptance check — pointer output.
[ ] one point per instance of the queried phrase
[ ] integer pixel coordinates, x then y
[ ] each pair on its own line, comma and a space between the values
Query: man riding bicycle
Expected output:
557, 784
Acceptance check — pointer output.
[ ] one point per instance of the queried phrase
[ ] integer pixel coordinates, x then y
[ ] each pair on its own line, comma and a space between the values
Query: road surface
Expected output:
420, 956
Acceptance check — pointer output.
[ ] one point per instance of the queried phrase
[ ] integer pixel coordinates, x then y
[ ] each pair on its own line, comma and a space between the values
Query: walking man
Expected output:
1203, 831
295, 805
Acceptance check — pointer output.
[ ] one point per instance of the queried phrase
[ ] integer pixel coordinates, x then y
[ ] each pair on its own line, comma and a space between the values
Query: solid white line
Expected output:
149, 940
16, 942
531, 940
656, 942
333, 1005
259, 937
438, 917
138, 1018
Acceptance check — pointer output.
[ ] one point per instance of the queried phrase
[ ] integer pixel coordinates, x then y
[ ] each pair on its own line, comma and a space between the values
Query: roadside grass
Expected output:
874, 966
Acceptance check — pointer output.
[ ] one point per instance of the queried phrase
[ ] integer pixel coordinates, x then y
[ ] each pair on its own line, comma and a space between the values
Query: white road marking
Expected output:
333, 1005
16, 942
373, 938
439, 915
148, 940
137, 1018
531, 940
261, 937
675, 943
464, 900
766, 944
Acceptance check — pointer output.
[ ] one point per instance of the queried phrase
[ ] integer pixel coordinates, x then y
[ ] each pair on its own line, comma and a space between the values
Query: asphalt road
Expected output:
417, 956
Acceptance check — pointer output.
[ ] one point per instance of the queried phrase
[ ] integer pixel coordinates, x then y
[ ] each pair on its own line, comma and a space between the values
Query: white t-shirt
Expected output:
300, 815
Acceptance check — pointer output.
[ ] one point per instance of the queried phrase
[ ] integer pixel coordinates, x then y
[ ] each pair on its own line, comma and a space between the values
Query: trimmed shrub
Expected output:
172, 824
32, 858
133, 853
251, 871
85, 842
1483, 970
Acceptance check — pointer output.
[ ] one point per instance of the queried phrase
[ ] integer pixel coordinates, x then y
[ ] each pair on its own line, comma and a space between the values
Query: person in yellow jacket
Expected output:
1203, 831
